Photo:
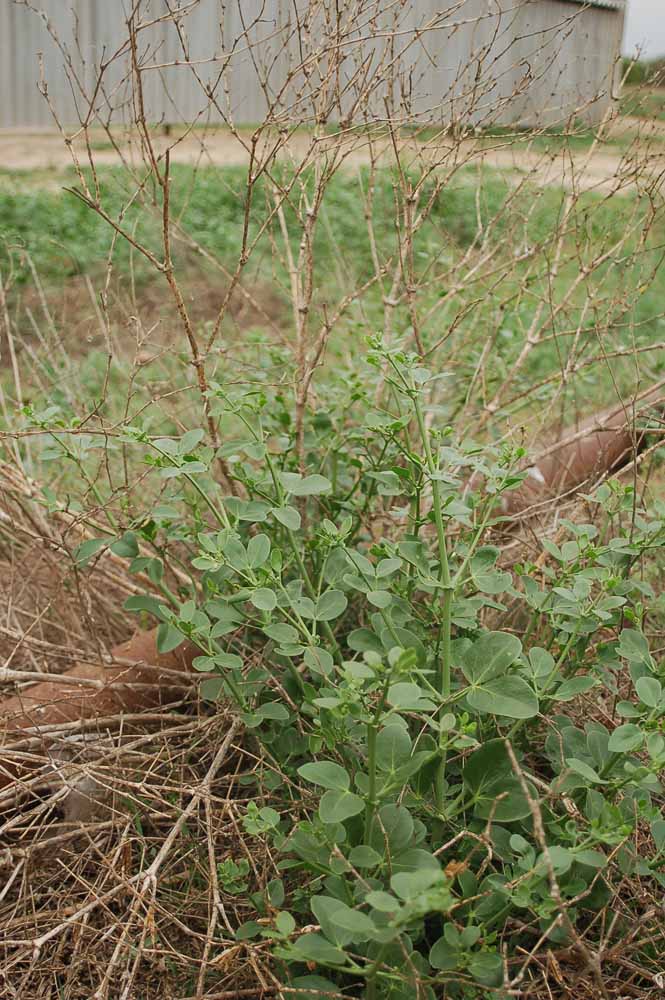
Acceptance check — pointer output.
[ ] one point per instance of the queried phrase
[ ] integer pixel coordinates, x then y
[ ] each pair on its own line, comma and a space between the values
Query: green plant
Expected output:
233, 876
446, 778
636, 71
412, 688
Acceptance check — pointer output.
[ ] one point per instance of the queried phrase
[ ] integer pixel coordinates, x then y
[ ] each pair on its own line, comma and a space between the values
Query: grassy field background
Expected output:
52, 239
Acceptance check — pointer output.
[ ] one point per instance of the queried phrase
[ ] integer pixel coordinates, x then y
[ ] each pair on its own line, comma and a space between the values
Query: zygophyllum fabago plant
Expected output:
430, 784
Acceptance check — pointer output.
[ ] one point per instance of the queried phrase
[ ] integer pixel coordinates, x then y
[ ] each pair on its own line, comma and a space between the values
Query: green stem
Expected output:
220, 517
476, 539
370, 802
92, 486
169, 595
370, 992
515, 728
329, 634
610, 763
443, 666
211, 652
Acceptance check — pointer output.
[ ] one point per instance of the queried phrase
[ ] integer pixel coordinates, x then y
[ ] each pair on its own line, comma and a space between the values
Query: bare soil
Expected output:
142, 322
606, 166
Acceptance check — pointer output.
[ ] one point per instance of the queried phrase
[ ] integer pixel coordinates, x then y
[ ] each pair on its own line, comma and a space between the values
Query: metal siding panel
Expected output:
182, 86
247, 102
573, 50
8, 95
619, 5
462, 64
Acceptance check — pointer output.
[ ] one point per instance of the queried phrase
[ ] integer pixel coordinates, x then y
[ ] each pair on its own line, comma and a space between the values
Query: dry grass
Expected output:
113, 892
126, 903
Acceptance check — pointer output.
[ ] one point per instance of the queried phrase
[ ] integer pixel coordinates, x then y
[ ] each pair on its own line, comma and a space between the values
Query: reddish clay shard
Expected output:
122, 688
597, 446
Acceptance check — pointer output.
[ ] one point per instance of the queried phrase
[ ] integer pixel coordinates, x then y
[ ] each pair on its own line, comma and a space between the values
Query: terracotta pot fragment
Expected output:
144, 679
589, 450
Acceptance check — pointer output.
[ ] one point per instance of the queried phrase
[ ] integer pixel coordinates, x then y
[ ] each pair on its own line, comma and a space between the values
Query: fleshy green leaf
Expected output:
382, 901
490, 656
304, 607
626, 739
363, 640
264, 599
330, 605
126, 546
364, 856
409, 885
487, 579
409, 697
285, 923
487, 969
572, 688
319, 660
315, 948
272, 710
281, 632
358, 923
379, 598
506, 696
235, 554
212, 688
87, 550
542, 661
387, 566
658, 833
258, 550
250, 929
144, 602
443, 955
336, 806
488, 774
189, 440
393, 747
288, 516
327, 774
304, 487
584, 770
649, 691
594, 859
204, 663
633, 646
392, 829
168, 638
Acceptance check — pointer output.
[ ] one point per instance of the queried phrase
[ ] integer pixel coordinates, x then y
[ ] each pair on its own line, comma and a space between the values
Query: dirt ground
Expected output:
143, 327
608, 165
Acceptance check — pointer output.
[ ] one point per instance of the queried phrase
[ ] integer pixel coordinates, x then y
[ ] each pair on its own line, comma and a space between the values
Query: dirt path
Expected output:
607, 167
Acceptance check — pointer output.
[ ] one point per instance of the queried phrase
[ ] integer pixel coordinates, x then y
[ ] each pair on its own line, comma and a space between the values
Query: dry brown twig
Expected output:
591, 958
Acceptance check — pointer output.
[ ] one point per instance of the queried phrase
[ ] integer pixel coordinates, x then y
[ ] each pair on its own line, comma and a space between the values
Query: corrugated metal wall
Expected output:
533, 62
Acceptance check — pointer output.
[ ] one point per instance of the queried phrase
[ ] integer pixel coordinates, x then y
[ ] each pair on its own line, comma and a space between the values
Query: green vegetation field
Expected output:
509, 230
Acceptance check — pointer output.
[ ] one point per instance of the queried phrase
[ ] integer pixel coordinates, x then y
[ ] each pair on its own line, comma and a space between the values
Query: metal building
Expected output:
528, 62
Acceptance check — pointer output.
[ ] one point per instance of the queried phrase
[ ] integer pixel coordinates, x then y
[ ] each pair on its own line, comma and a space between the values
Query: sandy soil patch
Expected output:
604, 167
